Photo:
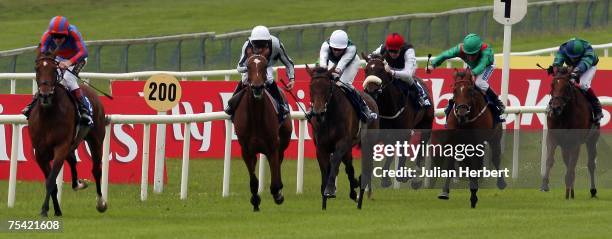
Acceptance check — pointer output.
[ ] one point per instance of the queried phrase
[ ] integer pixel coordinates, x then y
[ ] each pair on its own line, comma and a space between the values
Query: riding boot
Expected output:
26, 111
364, 112
421, 96
233, 102
85, 109
499, 106
449, 107
597, 114
283, 107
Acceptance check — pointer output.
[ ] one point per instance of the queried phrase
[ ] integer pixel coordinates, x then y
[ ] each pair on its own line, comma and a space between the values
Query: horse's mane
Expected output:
460, 74
319, 71
564, 70
376, 56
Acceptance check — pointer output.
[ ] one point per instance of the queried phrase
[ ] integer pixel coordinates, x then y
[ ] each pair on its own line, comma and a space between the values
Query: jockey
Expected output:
402, 64
480, 59
71, 54
579, 54
261, 41
340, 52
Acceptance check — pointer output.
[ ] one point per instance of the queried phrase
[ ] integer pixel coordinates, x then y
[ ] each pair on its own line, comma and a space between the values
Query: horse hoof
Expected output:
385, 182
473, 201
255, 201
279, 199
593, 193
544, 188
416, 184
81, 184
353, 195
443, 196
403, 179
44, 214
324, 203
501, 183
330, 191
101, 206
58, 214
255, 209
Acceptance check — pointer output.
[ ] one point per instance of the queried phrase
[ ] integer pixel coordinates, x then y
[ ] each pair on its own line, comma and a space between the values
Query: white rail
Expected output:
147, 120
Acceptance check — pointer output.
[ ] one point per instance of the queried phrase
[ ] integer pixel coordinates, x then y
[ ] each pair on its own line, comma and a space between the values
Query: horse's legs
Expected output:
77, 184
444, 195
276, 184
336, 157
250, 159
420, 160
95, 145
473, 191
385, 181
350, 172
59, 156
495, 147
43, 163
592, 152
550, 160
323, 160
570, 157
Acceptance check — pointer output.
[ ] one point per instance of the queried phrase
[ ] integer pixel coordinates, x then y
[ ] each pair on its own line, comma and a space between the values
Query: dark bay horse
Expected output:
259, 131
570, 126
336, 129
53, 131
397, 111
471, 122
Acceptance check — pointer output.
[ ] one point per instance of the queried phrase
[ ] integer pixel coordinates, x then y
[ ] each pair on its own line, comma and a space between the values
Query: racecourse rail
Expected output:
161, 120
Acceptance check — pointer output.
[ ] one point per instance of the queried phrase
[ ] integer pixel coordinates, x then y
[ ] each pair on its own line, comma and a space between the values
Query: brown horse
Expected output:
53, 131
569, 123
336, 129
396, 113
259, 131
471, 122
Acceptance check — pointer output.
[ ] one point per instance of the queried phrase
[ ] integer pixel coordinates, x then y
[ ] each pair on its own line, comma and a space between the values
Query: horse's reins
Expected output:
296, 100
60, 76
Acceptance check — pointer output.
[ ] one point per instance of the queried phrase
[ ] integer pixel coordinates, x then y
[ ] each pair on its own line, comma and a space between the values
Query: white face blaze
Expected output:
257, 61
44, 63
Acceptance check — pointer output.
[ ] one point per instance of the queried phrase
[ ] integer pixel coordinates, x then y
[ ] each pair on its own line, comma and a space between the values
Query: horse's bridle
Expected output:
58, 76
468, 108
566, 97
327, 99
383, 85
250, 84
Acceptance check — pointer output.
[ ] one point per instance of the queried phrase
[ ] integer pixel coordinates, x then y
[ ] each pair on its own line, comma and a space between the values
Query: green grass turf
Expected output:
24, 21
517, 212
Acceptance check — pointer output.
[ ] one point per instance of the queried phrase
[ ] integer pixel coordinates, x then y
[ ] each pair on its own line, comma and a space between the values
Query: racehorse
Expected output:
471, 122
396, 111
53, 130
259, 131
569, 123
336, 129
